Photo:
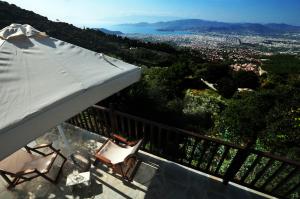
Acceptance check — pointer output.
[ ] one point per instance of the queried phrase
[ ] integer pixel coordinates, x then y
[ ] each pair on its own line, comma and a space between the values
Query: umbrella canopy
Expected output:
45, 81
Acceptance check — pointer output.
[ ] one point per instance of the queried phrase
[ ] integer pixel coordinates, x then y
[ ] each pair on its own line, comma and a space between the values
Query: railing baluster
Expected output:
69, 121
77, 118
284, 180
113, 119
249, 170
178, 142
103, 114
83, 114
292, 190
107, 124
222, 159
136, 128
103, 127
159, 140
95, 120
168, 136
74, 122
80, 121
196, 141
184, 148
168, 144
261, 172
143, 129
90, 120
151, 138
123, 125
280, 168
144, 134
86, 126
206, 144
216, 147
129, 127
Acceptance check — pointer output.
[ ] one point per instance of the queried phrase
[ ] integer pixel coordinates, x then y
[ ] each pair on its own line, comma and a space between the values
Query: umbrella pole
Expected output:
62, 134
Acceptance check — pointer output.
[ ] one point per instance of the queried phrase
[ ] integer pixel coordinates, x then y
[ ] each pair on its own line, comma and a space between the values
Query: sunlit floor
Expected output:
155, 178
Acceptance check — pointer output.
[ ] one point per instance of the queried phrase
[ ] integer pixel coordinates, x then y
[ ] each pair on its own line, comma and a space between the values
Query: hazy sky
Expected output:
94, 13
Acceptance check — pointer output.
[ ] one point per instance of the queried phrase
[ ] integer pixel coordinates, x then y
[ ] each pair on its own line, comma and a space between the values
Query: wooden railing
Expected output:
257, 170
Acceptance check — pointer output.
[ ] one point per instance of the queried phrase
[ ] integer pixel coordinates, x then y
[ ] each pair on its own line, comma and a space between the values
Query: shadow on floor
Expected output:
173, 181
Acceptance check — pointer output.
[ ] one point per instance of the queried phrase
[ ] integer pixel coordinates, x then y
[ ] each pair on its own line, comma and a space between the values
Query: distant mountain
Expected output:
110, 32
141, 24
198, 25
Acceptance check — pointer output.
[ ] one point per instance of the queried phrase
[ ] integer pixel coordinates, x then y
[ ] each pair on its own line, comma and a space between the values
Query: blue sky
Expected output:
97, 13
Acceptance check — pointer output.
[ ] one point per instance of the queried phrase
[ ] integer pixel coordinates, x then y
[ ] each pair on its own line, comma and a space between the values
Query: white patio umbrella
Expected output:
45, 81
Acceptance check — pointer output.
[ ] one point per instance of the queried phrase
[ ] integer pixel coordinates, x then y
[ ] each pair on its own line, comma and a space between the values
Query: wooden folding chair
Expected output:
25, 165
120, 155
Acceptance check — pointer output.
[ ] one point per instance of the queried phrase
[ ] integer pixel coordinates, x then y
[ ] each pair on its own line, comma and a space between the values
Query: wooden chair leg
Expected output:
11, 183
122, 172
61, 167
58, 174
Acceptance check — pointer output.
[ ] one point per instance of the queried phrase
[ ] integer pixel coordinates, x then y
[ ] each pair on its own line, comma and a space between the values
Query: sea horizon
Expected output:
145, 30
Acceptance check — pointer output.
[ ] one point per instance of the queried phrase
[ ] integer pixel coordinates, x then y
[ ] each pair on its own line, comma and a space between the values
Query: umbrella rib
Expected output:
110, 62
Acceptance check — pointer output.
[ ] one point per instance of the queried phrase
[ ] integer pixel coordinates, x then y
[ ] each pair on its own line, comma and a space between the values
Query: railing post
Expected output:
237, 162
113, 119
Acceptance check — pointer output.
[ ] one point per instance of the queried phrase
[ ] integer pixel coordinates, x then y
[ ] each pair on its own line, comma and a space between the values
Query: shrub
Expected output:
244, 117
213, 72
201, 107
246, 79
283, 64
226, 87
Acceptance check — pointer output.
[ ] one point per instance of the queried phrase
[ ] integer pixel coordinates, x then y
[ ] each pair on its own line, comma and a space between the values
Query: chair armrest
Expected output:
41, 146
103, 159
27, 171
119, 138
132, 143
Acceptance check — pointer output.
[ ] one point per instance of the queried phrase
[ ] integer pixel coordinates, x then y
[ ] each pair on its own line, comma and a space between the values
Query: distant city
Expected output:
217, 41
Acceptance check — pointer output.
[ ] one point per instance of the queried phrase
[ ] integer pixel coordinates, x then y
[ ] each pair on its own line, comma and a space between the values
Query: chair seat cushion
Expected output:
21, 160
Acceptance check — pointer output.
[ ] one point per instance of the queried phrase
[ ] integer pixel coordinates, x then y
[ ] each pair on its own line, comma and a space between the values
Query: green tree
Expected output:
226, 87
282, 132
242, 119
246, 79
269, 116
213, 71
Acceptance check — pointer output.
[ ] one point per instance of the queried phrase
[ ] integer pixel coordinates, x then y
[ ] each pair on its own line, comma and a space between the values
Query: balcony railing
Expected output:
264, 172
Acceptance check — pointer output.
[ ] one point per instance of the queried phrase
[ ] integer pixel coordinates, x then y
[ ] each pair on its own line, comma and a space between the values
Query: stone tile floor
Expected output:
155, 178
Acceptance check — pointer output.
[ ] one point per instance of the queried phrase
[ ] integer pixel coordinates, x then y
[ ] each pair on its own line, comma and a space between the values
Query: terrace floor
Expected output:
155, 178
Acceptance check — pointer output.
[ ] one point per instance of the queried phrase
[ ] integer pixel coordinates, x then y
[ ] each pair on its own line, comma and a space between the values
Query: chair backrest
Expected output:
16, 161
117, 154
136, 147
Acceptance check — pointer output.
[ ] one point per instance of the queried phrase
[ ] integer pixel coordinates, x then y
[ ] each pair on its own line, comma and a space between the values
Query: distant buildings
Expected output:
243, 50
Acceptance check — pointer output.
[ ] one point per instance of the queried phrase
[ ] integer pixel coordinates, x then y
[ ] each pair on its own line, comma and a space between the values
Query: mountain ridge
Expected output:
200, 25
110, 32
